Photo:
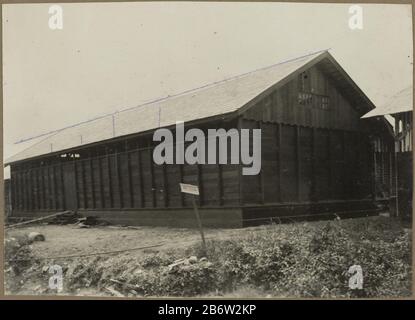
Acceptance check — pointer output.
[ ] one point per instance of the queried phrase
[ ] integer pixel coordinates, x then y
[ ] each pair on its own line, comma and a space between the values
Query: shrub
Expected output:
300, 260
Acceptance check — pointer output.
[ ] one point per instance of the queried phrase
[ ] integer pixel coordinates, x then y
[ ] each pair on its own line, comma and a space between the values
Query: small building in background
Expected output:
400, 107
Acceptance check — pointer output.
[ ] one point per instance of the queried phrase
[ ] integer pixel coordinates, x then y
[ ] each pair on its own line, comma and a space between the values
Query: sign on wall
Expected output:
189, 188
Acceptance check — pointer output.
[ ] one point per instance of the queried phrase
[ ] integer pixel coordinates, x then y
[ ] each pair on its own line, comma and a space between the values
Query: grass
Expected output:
309, 259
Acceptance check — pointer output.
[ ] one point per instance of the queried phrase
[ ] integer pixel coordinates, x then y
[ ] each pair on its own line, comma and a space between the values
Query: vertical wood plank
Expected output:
314, 195
374, 172
34, 189
220, 189
200, 183
50, 192
240, 177
60, 194
390, 174
13, 188
91, 173
26, 191
30, 189
130, 180
75, 168
25, 202
18, 200
16, 191
119, 179
298, 159
344, 167
22, 190
63, 186
140, 177
110, 181
101, 183
84, 184
181, 180
20, 179
55, 189
396, 132
220, 176
330, 167
383, 164
261, 175
38, 190
19, 190
279, 157
153, 187
165, 186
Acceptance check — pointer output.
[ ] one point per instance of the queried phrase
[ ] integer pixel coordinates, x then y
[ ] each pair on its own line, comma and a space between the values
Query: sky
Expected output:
111, 56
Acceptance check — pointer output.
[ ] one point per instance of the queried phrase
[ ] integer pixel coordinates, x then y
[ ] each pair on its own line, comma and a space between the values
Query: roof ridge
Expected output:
210, 84
223, 80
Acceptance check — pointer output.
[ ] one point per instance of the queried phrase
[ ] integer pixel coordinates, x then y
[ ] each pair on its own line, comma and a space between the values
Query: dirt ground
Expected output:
64, 240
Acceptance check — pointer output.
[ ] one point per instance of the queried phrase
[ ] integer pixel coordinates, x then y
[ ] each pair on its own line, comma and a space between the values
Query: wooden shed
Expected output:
400, 107
318, 156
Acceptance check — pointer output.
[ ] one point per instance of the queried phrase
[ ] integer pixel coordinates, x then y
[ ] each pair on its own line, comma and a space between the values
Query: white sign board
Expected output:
189, 188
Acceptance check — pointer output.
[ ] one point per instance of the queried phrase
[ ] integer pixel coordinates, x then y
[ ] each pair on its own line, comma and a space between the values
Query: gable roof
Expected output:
400, 102
220, 98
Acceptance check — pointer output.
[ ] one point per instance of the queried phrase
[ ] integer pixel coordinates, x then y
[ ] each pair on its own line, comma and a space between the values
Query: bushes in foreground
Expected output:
301, 260
315, 265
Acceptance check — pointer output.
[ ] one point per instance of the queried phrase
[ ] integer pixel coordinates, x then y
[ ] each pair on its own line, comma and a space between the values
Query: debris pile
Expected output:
68, 217
18, 255
71, 217
87, 222
187, 262
35, 236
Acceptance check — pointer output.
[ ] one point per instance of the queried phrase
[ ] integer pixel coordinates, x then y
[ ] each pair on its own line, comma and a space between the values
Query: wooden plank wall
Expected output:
123, 180
283, 106
302, 164
384, 169
299, 164
311, 153
37, 189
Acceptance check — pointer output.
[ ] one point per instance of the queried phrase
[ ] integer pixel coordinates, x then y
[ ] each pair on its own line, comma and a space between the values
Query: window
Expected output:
324, 102
307, 97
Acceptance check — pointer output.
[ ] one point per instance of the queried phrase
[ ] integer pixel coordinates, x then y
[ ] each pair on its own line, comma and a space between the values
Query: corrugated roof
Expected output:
223, 97
400, 102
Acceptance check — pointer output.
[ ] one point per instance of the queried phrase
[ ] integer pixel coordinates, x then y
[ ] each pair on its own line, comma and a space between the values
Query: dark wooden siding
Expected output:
123, 180
283, 106
302, 164
312, 151
270, 162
